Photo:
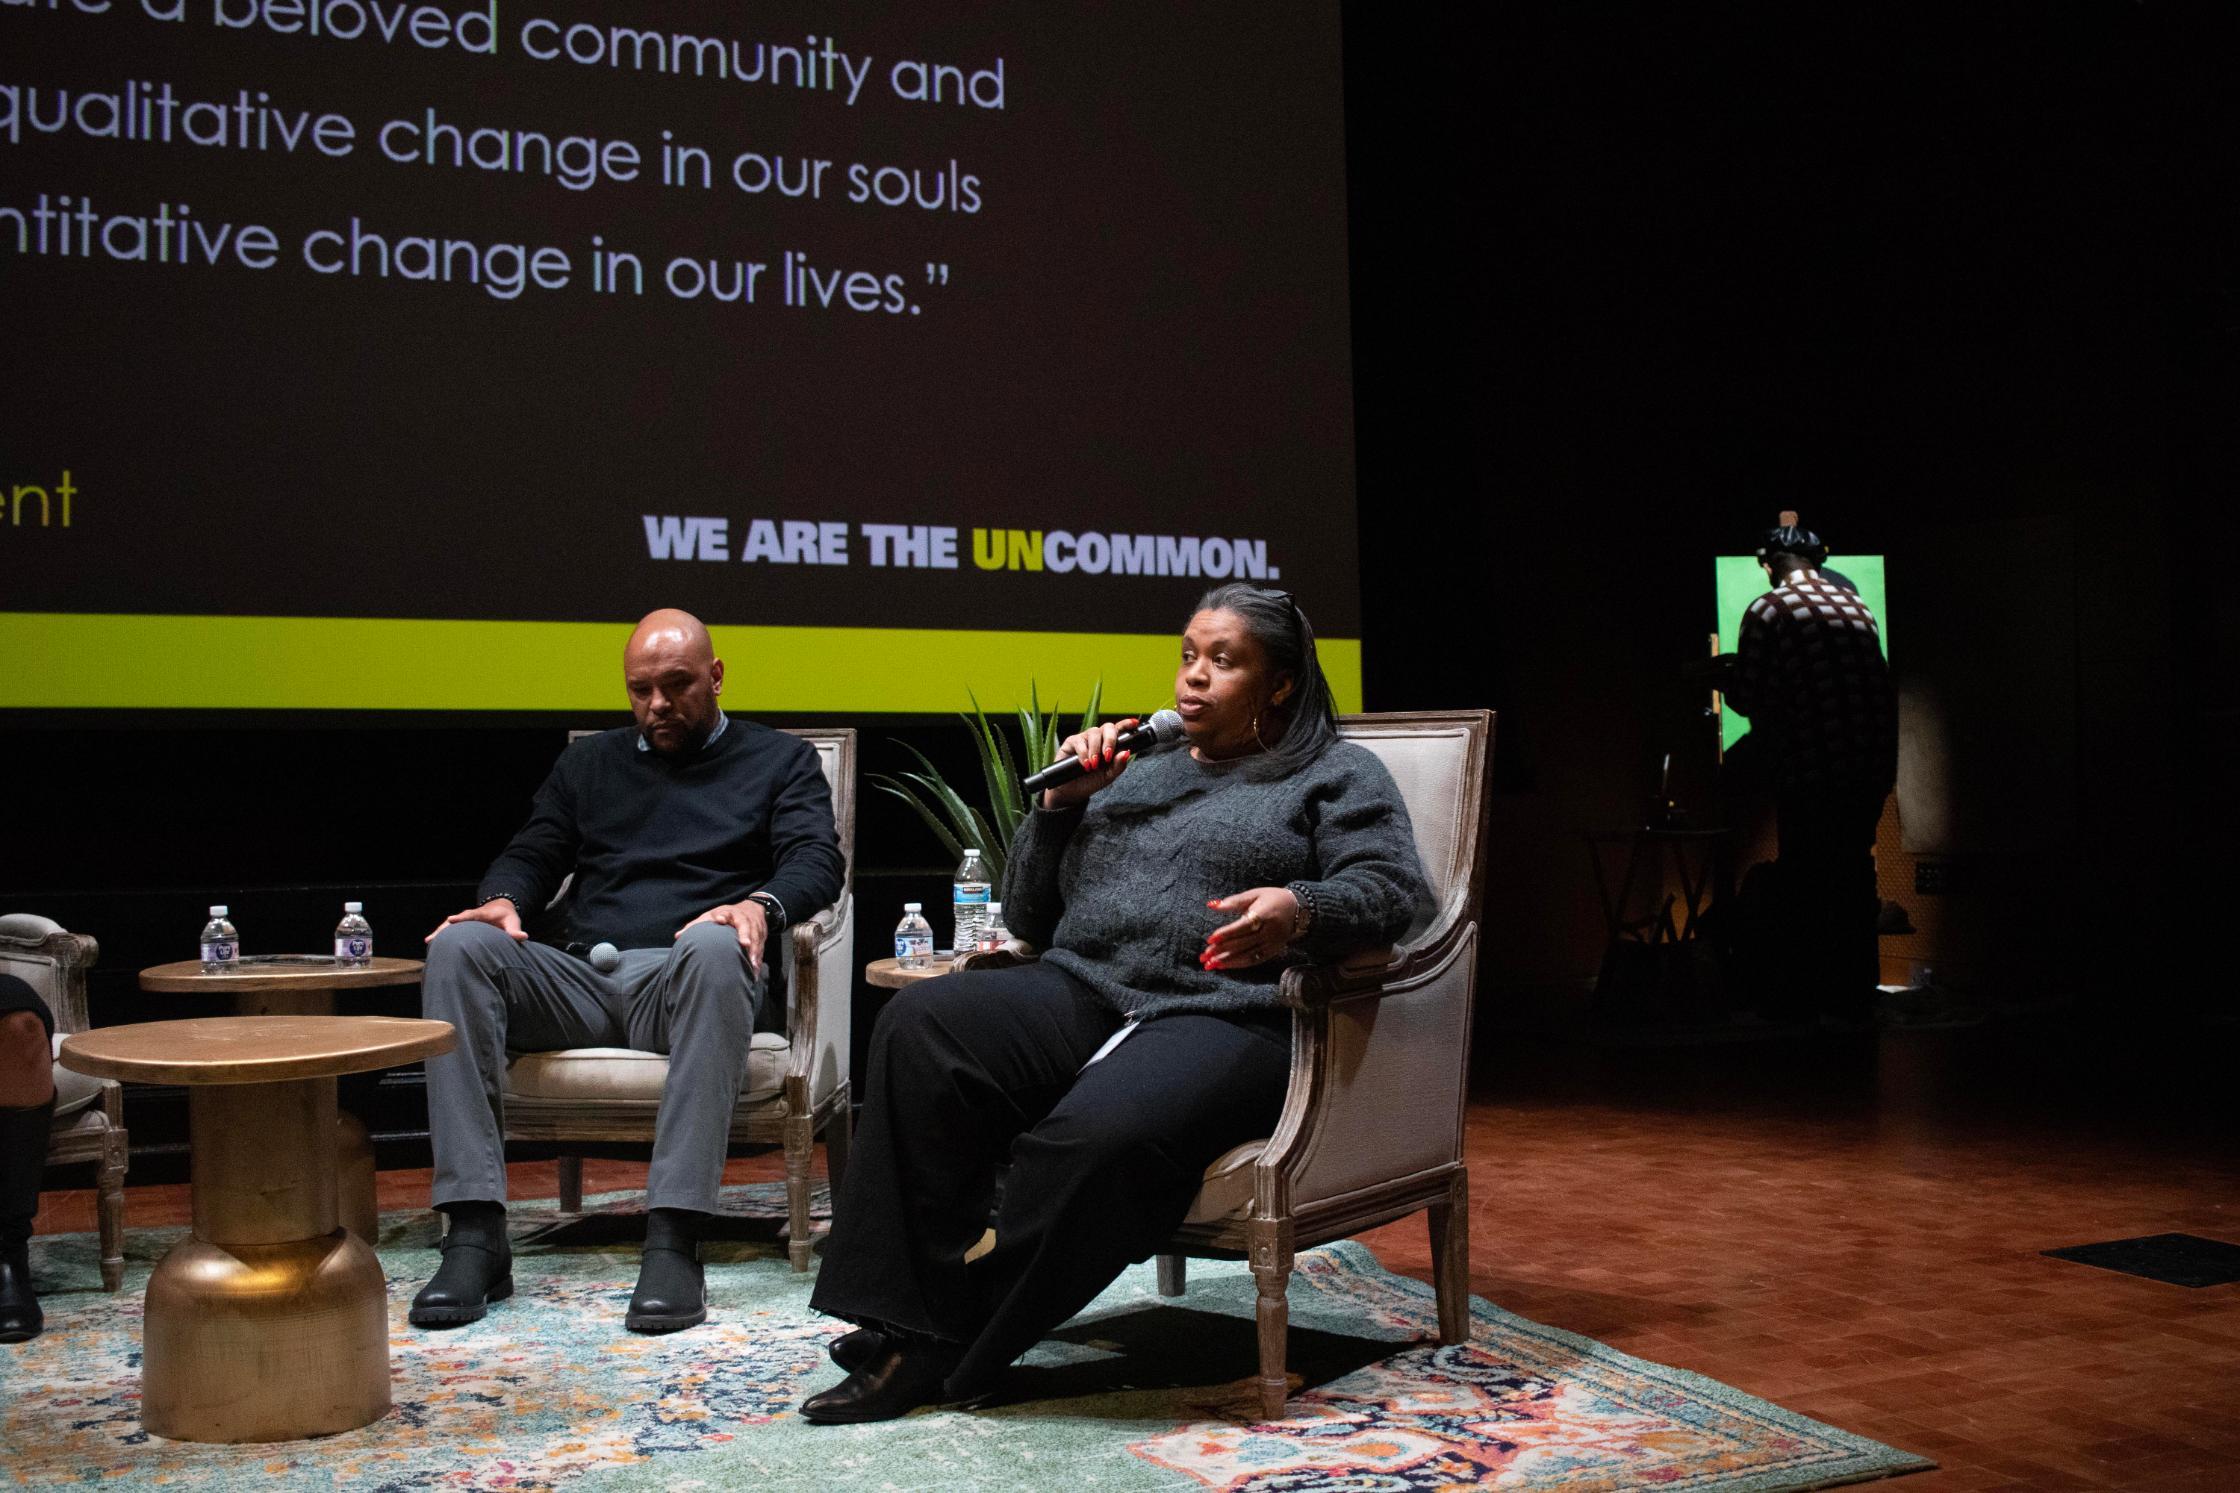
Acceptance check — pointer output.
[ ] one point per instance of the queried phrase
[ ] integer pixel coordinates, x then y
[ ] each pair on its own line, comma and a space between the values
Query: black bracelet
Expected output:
1302, 922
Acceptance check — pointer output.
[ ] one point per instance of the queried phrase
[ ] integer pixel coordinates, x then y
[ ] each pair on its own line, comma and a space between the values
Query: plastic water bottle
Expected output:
221, 944
913, 938
353, 936
992, 932
968, 893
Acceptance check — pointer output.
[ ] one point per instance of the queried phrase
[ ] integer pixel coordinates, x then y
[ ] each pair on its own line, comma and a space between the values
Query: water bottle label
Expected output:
968, 894
356, 949
912, 945
220, 951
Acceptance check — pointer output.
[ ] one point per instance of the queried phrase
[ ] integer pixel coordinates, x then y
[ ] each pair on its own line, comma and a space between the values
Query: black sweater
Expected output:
654, 842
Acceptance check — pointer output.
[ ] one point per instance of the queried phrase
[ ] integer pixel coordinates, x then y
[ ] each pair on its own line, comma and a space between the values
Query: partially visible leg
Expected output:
698, 1007
1174, 1274
1107, 1176
1827, 870
26, 1054
958, 1067
26, 1112
501, 996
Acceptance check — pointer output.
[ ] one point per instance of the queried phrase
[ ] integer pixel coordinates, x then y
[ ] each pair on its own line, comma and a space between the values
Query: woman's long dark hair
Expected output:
1280, 628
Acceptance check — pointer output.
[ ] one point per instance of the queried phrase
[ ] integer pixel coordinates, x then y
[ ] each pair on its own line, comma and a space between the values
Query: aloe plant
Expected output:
957, 822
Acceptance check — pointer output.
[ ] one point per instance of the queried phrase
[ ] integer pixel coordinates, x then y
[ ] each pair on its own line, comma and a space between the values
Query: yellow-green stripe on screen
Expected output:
99, 661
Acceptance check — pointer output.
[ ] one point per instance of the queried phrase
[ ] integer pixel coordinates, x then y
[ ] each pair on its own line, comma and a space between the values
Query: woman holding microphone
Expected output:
1166, 895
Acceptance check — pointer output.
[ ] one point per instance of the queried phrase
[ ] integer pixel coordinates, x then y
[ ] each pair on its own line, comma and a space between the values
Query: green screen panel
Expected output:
1742, 580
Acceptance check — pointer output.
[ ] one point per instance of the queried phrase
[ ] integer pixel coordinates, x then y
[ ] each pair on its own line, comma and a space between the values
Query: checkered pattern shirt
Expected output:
1810, 675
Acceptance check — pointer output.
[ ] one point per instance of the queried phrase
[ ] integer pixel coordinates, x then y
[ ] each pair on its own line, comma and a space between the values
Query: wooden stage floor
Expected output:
1850, 1227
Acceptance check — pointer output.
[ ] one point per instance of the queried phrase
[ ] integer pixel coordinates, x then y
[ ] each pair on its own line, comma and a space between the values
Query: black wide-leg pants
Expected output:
972, 1071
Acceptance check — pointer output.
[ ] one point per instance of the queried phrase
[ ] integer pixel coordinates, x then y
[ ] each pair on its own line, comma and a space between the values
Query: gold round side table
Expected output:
306, 989
269, 1321
303, 990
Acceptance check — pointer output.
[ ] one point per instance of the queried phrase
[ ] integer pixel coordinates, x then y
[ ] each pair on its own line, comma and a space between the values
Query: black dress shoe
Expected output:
20, 1317
852, 1350
672, 1291
905, 1374
473, 1275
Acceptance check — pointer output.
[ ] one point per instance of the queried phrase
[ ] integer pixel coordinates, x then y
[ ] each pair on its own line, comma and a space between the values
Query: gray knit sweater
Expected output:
1115, 892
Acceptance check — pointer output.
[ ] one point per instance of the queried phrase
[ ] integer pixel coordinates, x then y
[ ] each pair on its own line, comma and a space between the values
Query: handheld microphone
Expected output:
602, 956
1165, 726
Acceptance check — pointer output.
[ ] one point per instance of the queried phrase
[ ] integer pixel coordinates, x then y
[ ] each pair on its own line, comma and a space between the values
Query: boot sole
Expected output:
645, 1322
460, 1316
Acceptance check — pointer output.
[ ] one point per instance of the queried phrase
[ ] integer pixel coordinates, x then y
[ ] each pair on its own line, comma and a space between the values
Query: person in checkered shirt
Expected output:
1810, 674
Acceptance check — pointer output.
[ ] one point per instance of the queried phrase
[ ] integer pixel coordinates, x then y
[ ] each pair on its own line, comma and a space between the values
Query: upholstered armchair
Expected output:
797, 1081
1371, 1127
88, 1112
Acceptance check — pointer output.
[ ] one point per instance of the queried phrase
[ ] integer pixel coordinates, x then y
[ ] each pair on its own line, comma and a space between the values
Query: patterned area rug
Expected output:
1138, 1393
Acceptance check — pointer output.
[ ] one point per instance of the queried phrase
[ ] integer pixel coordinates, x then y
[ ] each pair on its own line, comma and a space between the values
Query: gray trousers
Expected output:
695, 1001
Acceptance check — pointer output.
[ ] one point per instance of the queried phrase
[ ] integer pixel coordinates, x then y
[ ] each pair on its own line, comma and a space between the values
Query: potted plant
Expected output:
955, 821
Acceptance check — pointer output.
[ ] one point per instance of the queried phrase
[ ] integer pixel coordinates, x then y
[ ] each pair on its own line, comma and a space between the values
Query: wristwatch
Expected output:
773, 908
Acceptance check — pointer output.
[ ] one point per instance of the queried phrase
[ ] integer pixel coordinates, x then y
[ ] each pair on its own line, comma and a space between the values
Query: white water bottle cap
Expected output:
913, 907
353, 907
219, 911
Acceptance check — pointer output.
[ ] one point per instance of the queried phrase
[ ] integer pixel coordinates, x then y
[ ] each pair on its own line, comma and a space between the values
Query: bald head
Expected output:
674, 676
670, 628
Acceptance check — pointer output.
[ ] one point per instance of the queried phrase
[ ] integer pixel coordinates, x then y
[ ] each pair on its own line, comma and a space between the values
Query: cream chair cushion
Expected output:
72, 1091
593, 1073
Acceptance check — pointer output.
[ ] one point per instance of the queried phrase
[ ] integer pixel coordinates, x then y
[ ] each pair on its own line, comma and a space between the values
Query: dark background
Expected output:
1957, 285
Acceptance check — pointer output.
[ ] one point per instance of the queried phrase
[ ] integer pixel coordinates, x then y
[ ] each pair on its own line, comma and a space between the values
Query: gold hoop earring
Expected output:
1256, 733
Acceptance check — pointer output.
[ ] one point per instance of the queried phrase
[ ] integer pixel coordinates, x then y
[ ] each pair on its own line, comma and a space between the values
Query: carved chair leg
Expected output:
1174, 1274
114, 1158
839, 1131
571, 1184
800, 1145
1450, 1260
1271, 1271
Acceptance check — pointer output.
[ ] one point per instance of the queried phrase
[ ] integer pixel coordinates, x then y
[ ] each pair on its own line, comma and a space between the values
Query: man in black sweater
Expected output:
694, 839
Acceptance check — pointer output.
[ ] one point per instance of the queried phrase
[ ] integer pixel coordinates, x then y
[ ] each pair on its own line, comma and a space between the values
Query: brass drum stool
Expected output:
269, 1322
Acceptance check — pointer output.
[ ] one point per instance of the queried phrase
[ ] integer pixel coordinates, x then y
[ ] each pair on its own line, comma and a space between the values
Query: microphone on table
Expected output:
1165, 726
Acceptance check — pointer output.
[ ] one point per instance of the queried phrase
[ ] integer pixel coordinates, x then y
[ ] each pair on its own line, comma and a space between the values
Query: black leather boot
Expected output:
23, 1157
906, 1372
477, 1268
672, 1291
852, 1350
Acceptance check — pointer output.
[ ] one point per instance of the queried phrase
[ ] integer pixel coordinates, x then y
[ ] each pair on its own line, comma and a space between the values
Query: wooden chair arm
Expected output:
1367, 974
